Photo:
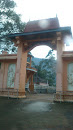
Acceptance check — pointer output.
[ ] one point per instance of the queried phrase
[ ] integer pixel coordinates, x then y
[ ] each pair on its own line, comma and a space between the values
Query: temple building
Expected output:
8, 64
14, 72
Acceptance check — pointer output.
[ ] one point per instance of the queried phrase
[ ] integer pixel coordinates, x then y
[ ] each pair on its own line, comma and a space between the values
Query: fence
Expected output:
63, 96
8, 92
42, 89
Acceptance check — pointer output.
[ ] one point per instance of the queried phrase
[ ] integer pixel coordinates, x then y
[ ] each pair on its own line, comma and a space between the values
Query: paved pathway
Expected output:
36, 112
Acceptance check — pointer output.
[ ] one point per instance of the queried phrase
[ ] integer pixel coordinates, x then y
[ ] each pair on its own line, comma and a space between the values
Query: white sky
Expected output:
42, 9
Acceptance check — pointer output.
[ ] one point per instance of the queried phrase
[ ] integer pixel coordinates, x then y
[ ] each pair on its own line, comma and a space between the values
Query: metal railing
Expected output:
9, 92
64, 95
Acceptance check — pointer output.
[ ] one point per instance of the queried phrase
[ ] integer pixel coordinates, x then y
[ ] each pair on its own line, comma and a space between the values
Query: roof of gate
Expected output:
31, 35
41, 25
41, 29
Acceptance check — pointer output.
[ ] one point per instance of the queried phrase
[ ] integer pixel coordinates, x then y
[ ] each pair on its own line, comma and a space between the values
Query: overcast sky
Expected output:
42, 9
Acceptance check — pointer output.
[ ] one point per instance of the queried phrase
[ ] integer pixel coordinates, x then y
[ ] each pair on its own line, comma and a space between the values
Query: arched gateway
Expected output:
49, 33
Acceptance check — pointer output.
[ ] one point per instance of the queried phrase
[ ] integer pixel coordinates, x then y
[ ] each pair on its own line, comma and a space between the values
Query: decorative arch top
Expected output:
36, 34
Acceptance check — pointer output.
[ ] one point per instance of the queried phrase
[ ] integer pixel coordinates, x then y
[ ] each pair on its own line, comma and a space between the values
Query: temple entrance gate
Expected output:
26, 41
25, 46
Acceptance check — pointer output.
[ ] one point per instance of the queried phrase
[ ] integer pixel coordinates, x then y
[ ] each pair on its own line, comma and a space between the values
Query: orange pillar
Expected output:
31, 85
59, 76
17, 76
30, 61
21, 70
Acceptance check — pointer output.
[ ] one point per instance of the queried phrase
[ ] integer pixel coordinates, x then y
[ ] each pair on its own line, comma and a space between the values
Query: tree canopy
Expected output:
10, 22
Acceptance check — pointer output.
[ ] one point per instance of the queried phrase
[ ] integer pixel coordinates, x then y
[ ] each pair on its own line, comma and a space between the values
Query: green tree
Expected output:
50, 53
46, 70
10, 22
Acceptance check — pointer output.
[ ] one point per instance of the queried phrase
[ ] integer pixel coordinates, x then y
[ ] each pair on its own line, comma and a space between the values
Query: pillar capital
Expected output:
17, 41
59, 36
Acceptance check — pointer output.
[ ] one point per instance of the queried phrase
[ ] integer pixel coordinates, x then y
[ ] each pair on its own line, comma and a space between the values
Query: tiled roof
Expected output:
40, 25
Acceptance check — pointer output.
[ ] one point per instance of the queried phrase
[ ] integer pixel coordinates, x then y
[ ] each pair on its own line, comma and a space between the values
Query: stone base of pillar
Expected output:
63, 97
31, 87
12, 94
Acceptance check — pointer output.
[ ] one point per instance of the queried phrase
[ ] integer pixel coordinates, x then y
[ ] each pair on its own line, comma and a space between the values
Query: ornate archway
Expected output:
53, 36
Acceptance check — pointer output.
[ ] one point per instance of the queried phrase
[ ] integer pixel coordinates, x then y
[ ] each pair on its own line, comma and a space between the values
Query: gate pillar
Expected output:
31, 85
59, 75
20, 78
